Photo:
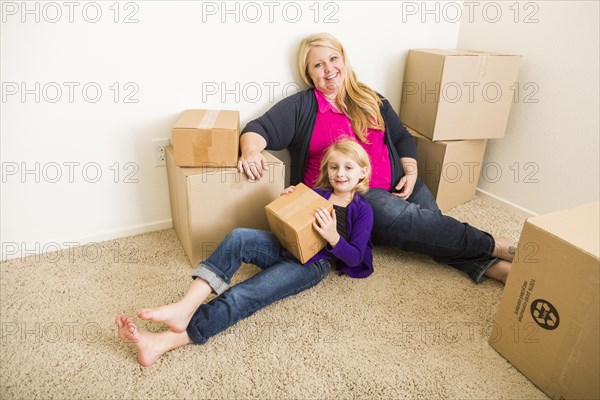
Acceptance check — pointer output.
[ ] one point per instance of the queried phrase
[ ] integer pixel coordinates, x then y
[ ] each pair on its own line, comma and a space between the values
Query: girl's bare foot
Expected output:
505, 249
174, 315
499, 271
149, 346
177, 315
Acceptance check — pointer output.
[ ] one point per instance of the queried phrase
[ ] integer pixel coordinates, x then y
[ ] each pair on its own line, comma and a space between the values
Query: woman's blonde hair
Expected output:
359, 102
352, 149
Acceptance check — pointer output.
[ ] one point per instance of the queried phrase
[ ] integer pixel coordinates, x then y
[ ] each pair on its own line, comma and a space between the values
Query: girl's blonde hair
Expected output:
359, 102
353, 150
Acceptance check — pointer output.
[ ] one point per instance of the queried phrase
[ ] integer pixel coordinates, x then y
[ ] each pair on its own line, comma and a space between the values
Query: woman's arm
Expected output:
252, 162
274, 130
406, 148
405, 186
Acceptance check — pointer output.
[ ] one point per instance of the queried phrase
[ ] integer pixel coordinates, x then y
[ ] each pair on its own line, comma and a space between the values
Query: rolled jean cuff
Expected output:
478, 275
217, 284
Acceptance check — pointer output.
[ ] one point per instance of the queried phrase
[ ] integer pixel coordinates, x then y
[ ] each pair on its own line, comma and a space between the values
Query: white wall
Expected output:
166, 61
549, 157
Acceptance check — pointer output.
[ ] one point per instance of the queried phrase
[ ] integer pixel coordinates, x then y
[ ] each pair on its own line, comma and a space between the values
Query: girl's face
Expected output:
343, 172
326, 68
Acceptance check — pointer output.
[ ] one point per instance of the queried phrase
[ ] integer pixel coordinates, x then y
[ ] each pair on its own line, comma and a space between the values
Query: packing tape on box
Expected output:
204, 138
200, 148
482, 65
292, 208
208, 119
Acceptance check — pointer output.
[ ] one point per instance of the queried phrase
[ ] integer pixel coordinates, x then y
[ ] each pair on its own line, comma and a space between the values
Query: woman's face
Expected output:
326, 68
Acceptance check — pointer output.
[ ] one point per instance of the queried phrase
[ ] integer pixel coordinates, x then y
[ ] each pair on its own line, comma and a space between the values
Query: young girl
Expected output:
344, 176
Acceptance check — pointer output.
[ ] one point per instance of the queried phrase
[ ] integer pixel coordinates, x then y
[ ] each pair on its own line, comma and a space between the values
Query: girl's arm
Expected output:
351, 252
326, 224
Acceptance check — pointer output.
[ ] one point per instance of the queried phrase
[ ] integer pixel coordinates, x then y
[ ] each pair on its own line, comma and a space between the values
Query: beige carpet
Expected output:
414, 329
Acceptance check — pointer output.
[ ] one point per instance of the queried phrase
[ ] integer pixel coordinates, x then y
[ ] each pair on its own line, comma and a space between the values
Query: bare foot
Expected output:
505, 249
150, 346
174, 315
144, 342
499, 271
177, 315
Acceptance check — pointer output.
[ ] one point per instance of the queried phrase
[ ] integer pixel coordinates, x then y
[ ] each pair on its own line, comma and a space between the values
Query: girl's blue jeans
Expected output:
281, 276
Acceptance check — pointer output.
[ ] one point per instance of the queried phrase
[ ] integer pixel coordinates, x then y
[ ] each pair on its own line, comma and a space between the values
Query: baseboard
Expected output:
22, 250
134, 230
506, 204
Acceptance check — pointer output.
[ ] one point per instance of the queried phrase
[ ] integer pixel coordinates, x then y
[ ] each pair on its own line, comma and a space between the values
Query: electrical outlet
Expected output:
159, 151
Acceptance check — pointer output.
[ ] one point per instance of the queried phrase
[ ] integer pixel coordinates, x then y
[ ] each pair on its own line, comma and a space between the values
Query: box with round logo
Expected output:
548, 320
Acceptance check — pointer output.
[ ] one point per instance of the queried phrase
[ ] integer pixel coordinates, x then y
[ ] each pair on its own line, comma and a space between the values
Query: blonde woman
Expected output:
337, 104
344, 177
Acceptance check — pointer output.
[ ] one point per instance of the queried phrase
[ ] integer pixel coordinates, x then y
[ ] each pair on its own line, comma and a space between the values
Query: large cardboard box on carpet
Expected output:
291, 217
547, 323
207, 203
450, 169
205, 138
456, 94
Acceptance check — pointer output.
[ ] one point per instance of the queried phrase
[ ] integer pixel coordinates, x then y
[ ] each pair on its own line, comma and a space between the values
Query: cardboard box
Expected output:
456, 95
207, 203
206, 138
450, 169
291, 217
547, 323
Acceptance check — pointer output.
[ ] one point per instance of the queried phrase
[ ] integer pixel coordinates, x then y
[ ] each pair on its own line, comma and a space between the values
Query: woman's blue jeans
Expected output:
281, 276
418, 225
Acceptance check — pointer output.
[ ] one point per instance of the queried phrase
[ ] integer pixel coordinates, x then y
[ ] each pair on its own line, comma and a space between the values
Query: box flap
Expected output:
461, 52
568, 224
207, 119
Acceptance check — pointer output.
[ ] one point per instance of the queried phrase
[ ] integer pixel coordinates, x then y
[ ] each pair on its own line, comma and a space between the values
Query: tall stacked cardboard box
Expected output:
454, 101
209, 196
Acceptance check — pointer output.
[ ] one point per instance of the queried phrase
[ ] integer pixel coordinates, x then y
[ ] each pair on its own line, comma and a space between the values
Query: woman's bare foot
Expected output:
149, 346
499, 271
176, 316
504, 249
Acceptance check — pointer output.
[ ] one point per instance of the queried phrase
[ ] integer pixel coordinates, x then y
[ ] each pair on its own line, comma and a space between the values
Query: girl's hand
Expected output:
288, 190
326, 225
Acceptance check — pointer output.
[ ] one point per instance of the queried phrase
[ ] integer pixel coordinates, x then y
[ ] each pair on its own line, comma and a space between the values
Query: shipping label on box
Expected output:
450, 169
205, 138
208, 203
291, 218
456, 95
548, 321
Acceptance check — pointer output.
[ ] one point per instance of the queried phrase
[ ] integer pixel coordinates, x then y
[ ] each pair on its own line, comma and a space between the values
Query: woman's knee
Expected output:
422, 196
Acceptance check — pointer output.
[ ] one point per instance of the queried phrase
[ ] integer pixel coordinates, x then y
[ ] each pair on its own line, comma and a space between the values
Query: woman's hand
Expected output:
254, 165
405, 186
326, 225
252, 162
